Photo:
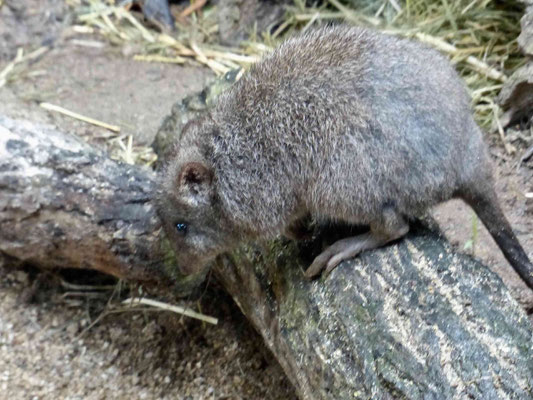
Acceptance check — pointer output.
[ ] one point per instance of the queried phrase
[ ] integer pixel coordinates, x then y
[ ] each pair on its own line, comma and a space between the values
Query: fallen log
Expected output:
65, 204
409, 321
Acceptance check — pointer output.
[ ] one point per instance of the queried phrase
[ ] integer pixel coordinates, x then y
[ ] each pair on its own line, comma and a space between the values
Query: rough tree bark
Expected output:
65, 204
409, 321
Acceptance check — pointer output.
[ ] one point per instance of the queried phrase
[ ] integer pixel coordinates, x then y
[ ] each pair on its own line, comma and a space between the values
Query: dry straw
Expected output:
169, 307
478, 35
193, 42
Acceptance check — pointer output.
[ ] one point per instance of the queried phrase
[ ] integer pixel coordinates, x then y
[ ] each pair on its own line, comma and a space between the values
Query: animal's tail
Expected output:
485, 204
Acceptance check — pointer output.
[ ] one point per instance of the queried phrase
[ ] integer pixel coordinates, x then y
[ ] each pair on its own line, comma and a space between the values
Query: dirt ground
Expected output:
55, 342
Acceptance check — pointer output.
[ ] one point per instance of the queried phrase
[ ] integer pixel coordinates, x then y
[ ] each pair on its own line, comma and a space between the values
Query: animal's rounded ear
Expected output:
195, 173
194, 179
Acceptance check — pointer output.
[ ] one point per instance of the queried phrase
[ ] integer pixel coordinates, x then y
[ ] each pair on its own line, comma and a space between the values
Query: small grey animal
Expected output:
343, 124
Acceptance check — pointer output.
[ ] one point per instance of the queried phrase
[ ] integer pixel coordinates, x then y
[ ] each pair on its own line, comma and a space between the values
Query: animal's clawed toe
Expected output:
339, 251
334, 261
319, 263
330, 258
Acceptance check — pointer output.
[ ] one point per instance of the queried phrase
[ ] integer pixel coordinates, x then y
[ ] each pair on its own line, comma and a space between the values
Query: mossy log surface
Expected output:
409, 321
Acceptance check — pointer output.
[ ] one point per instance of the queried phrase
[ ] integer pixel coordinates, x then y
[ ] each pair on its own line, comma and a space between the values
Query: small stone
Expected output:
21, 276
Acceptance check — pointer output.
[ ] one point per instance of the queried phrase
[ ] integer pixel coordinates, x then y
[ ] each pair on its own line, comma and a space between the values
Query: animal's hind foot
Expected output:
392, 226
341, 250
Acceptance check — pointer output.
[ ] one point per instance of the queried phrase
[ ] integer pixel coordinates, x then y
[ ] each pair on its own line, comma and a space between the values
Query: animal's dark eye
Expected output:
181, 228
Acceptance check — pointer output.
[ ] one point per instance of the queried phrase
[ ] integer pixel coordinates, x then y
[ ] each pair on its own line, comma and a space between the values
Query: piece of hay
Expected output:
72, 114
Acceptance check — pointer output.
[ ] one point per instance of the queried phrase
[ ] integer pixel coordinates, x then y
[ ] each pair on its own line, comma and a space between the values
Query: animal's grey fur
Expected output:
341, 123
